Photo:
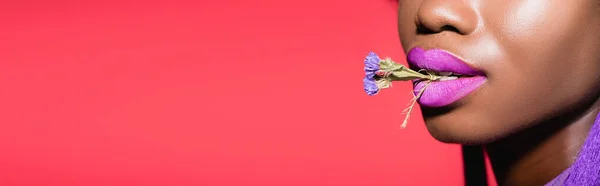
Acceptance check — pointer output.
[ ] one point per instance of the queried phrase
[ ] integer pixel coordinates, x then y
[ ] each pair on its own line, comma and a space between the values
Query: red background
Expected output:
214, 93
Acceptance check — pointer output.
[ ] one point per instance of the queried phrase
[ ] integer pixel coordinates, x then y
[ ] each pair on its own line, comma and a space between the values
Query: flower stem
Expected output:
409, 110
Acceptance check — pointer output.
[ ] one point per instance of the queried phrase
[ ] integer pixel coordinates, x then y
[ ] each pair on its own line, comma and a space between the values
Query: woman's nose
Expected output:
435, 16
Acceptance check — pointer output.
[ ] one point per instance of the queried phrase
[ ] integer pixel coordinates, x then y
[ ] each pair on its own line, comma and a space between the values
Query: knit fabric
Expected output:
586, 169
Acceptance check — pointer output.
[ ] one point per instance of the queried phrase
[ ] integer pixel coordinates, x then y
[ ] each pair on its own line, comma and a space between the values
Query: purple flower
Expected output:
370, 86
371, 65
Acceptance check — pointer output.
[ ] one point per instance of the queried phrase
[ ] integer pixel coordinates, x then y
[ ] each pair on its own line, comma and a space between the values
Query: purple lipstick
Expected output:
458, 78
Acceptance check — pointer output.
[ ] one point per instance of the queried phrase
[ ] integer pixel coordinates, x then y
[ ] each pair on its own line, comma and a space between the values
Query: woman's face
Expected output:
540, 59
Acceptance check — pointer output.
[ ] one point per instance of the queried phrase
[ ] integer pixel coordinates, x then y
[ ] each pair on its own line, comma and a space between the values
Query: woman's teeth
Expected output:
446, 78
445, 73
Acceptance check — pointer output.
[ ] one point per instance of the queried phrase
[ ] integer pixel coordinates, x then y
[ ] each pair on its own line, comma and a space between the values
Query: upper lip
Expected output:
438, 60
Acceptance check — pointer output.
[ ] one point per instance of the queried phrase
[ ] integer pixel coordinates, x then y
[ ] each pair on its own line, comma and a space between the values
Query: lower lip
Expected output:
444, 93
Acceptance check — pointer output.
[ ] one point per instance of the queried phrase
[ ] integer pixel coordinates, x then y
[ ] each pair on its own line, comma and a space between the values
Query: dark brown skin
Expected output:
542, 61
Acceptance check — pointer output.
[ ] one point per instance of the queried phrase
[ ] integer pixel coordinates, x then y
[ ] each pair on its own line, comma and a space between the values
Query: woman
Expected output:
522, 78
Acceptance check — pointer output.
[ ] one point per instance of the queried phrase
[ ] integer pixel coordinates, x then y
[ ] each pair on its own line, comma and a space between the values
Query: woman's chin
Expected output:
454, 131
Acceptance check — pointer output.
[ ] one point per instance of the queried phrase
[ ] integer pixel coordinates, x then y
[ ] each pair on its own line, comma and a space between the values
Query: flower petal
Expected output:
370, 86
370, 75
371, 63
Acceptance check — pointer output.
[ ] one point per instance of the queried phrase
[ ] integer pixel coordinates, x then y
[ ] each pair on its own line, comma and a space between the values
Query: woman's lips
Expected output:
444, 92
437, 60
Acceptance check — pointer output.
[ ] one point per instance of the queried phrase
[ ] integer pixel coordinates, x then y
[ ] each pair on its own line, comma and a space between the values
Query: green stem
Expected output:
406, 74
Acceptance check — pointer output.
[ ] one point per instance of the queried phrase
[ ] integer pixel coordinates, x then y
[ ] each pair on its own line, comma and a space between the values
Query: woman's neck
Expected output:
539, 154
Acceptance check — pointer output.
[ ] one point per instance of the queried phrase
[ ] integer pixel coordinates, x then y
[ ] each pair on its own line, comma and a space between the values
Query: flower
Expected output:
371, 65
370, 86
381, 73
371, 68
